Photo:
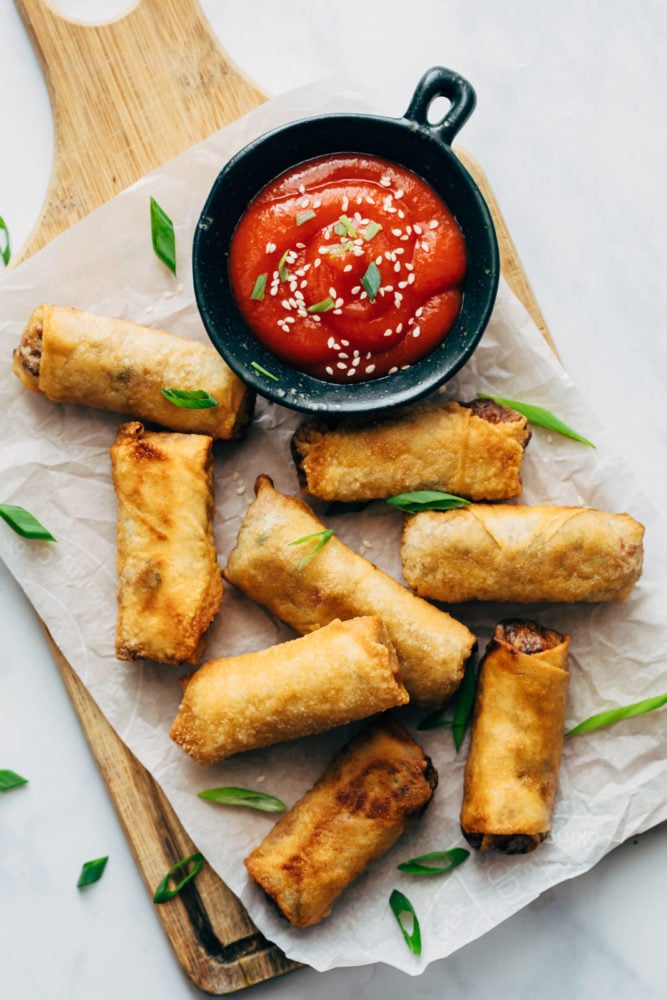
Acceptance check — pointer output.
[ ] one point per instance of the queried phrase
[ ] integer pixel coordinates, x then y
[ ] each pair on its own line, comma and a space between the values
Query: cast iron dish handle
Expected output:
441, 82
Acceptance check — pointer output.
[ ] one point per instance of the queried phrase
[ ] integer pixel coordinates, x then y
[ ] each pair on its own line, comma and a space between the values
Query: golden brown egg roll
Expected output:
496, 552
341, 673
72, 356
473, 450
517, 739
169, 581
337, 583
371, 793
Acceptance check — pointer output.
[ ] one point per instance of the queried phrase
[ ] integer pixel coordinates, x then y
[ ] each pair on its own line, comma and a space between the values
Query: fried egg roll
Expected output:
343, 672
517, 739
473, 450
72, 356
337, 583
499, 552
371, 793
169, 581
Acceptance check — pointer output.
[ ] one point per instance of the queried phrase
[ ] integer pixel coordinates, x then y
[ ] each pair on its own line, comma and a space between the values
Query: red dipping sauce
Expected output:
348, 267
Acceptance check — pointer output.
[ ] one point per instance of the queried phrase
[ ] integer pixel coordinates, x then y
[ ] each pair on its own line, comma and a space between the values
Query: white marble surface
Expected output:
570, 131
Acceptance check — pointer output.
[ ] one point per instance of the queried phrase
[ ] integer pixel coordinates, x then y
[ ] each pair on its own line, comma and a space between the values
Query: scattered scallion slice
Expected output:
404, 911
163, 893
435, 863
162, 235
324, 305
371, 230
539, 416
231, 796
372, 281
5, 248
23, 523
342, 248
617, 714
465, 699
283, 273
259, 288
305, 217
10, 779
412, 503
91, 871
322, 536
345, 227
262, 371
190, 399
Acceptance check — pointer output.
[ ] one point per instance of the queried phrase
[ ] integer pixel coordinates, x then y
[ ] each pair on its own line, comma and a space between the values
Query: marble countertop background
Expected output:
570, 131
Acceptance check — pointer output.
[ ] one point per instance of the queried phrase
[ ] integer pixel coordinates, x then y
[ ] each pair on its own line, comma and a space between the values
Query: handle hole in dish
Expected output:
438, 110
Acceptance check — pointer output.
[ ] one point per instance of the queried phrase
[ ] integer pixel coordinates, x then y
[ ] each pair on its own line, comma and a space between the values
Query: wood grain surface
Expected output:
125, 97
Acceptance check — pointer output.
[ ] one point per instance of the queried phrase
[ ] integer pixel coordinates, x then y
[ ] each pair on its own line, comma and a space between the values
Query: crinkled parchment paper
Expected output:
54, 461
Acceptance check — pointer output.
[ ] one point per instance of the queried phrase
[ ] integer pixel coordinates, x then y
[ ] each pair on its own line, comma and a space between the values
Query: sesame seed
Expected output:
345, 203
401, 213
329, 370
338, 303
341, 366
419, 311
317, 262
356, 289
433, 224
385, 180
388, 333
369, 369
330, 342
411, 278
317, 202
404, 238
396, 232
392, 371
409, 266
337, 312
305, 202
345, 343
417, 229
378, 260
425, 247
270, 247
350, 371
348, 267
402, 284
416, 331
399, 193
302, 189
397, 266
343, 355
285, 304
399, 328
300, 246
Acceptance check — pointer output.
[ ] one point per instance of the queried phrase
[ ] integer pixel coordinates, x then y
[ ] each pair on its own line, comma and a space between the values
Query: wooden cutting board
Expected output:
125, 97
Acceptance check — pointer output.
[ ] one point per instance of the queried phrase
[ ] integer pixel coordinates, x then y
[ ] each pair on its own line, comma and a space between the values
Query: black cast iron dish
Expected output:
411, 141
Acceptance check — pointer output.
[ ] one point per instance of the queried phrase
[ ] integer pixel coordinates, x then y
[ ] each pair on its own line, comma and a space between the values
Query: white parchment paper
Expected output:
54, 461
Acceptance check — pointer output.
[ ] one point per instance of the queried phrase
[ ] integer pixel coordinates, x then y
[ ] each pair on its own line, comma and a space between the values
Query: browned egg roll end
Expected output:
517, 738
26, 357
372, 792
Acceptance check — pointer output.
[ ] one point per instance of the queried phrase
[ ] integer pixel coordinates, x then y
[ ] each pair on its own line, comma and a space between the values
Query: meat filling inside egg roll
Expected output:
341, 673
169, 581
337, 583
512, 767
496, 552
473, 450
372, 793
72, 356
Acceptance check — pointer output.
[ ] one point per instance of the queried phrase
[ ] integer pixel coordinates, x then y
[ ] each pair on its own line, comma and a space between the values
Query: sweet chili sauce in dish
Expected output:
348, 267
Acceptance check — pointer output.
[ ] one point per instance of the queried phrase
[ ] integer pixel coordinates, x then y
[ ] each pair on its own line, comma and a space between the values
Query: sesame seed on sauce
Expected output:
271, 247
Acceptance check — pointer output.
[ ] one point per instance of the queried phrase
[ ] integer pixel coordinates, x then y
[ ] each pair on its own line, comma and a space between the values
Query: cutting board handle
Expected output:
125, 96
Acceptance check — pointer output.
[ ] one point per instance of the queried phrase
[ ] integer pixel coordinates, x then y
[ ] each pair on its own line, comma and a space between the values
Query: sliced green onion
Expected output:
435, 863
404, 911
465, 699
5, 249
10, 779
342, 248
259, 287
262, 371
91, 871
162, 234
190, 399
617, 714
372, 280
371, 230
438, 719
23, 523
283, 273
163, 894
344, 227
305, 217
323, 537
231, 796
539, 416
412, 503
323, 306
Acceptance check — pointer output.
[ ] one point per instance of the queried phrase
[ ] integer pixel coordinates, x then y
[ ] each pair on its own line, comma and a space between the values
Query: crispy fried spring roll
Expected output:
341, 673
520, 553
169, 581
473, 450
372, 792
338, 583
72, 356
517, 739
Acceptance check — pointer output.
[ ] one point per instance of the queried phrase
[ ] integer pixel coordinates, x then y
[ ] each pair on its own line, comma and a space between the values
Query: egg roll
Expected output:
72, 356
473, 450
496, 552
341, 673
337, 583
169, 582
373, 791
511, 772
